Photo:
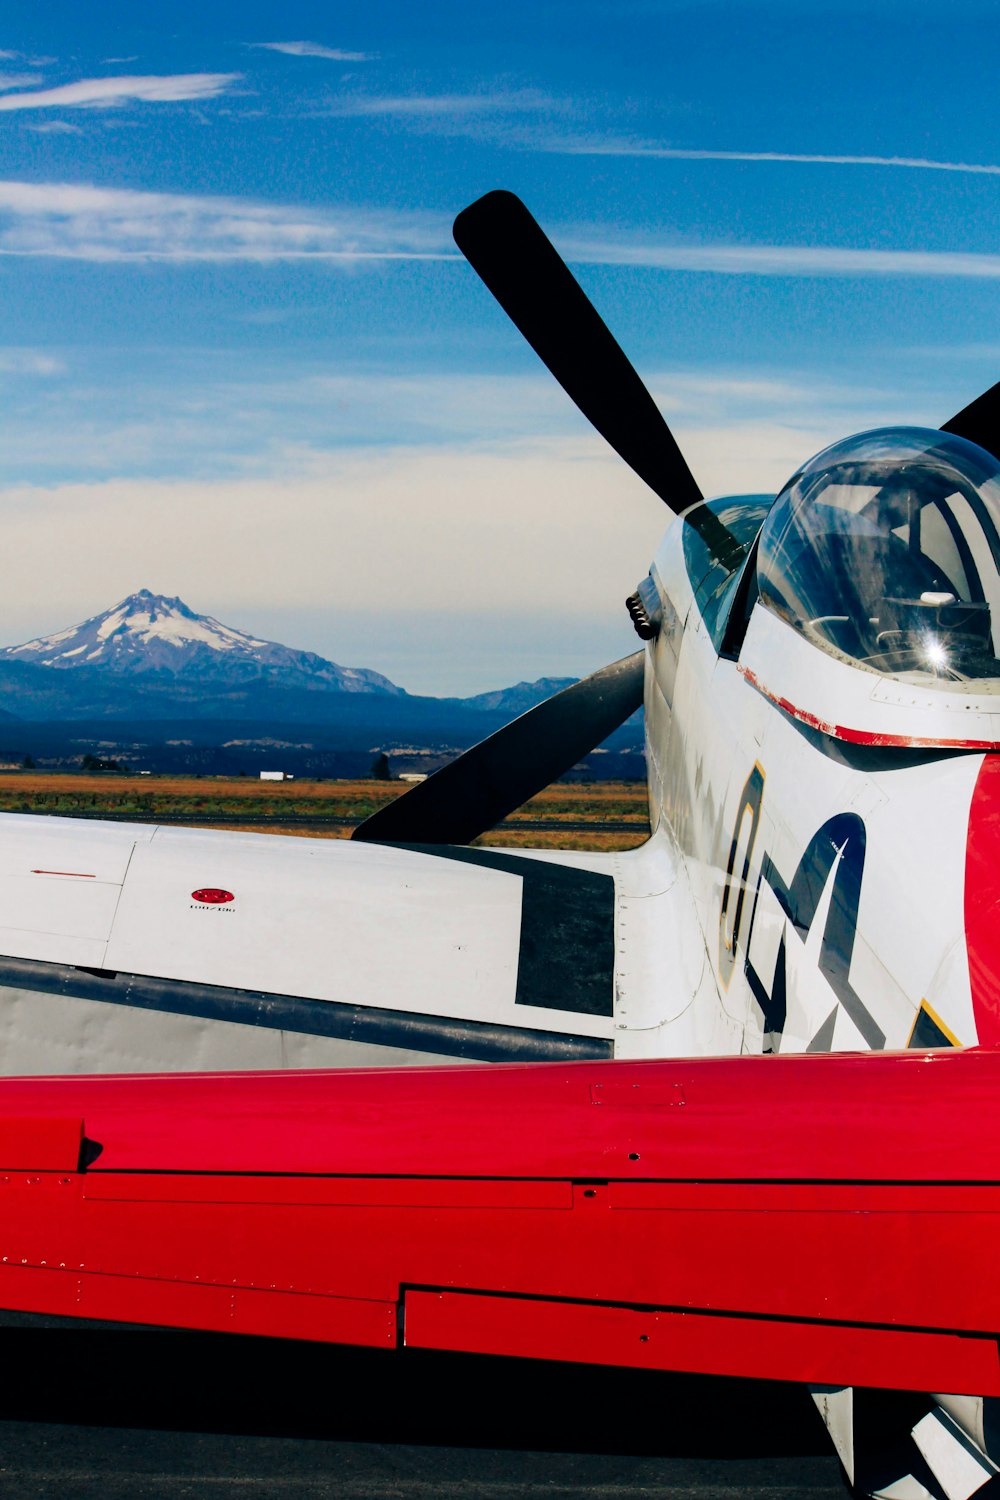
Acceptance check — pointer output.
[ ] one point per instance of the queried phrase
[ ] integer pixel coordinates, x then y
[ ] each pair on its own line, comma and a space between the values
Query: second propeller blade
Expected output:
472, 794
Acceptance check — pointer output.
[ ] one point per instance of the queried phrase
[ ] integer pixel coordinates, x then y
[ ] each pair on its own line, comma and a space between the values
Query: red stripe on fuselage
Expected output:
982, 901
874, 738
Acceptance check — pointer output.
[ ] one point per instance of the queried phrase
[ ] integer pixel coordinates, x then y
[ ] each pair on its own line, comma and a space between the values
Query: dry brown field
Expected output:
277, 807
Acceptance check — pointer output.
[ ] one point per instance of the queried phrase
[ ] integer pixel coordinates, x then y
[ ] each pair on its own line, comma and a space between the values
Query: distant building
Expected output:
276, 776
412, 776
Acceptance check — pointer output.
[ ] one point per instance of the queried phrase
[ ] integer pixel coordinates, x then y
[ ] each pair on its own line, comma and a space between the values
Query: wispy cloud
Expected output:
585, 145
17, 80
30, 362
54, 127
434, 105
82, 222
77, 222
971, 352
6, 55
314, 49
783, 260
107, 93
216, 418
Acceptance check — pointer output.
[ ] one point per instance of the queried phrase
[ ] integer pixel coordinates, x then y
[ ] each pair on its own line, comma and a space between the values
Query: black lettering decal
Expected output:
748, 805
842, 839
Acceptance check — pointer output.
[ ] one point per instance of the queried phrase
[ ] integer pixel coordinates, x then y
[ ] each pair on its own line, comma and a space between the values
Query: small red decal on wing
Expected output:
212, 895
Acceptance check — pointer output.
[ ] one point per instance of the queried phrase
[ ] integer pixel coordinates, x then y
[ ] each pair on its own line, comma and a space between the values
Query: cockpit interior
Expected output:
885, 551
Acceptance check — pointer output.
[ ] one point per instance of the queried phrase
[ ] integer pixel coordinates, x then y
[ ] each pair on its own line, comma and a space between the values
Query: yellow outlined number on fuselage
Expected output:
744, 836
928, 1030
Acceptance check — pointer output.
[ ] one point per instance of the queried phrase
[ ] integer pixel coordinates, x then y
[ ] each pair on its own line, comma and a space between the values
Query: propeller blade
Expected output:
474, 792
520, 266
979, 422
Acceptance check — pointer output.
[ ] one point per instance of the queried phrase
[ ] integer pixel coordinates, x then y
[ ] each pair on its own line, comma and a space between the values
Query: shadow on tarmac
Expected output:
194, 1382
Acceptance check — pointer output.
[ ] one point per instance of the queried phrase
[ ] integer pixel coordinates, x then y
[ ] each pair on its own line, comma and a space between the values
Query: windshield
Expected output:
885, 550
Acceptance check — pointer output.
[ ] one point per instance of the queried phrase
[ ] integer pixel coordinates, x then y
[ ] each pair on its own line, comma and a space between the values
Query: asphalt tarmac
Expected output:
105, 1415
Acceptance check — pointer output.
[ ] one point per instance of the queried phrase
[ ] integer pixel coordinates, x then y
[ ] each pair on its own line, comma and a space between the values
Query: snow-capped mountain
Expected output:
150, 636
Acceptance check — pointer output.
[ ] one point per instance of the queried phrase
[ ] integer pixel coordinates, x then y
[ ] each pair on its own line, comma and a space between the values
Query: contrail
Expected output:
678, 153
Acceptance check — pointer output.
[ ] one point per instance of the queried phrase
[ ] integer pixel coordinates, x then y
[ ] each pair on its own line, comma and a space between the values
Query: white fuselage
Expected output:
829, 877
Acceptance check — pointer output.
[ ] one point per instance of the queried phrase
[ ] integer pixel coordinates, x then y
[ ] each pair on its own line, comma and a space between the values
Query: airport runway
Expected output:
133, 1415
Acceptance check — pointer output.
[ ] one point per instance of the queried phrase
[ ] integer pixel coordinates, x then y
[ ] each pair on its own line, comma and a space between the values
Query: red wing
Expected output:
823, 1219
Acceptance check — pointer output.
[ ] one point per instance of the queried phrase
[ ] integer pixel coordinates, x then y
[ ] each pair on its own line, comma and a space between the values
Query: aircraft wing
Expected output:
820, 1218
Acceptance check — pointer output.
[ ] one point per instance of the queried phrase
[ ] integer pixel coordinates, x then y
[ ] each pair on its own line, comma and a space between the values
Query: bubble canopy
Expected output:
885, 551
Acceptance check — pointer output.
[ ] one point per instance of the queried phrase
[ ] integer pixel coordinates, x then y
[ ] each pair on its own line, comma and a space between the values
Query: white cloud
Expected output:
568, 492
506, 534
314, 49
431, 105
112, 224
555, 535
106, 93
583, 145
17, 80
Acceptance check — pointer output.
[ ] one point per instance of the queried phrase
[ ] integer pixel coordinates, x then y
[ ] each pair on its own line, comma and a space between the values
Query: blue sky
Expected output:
241, 361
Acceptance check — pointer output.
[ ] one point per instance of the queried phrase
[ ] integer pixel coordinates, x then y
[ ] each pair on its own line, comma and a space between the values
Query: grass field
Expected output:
277, 807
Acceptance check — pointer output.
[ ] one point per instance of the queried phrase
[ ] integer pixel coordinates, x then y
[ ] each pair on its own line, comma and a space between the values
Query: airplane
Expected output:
821, 685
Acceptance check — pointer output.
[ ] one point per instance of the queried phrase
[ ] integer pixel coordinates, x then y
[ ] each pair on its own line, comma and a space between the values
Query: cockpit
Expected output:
885, 551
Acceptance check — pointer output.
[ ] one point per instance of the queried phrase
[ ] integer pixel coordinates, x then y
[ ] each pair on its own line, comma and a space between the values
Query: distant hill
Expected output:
519, 698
